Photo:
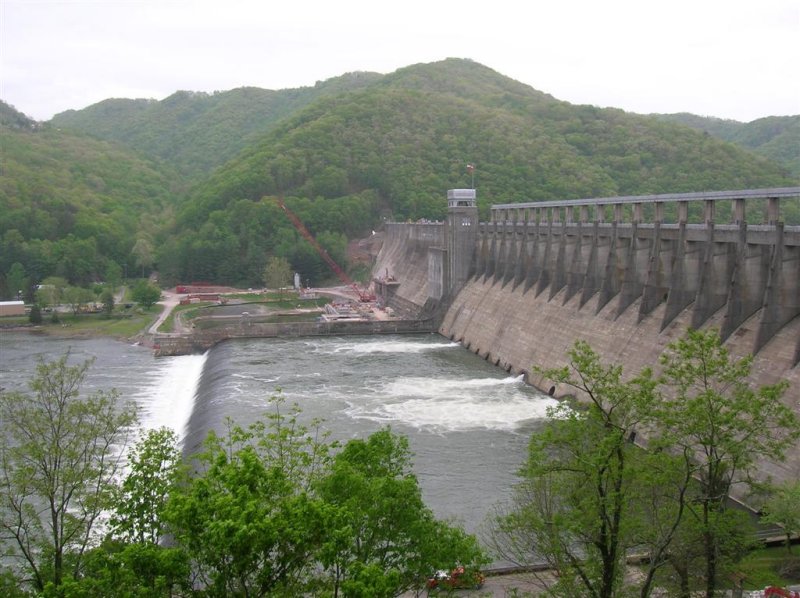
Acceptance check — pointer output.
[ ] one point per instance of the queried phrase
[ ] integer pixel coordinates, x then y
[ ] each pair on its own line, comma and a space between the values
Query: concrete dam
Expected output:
626, 274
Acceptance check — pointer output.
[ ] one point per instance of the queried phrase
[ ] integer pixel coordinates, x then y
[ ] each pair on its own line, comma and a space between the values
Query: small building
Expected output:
12, 308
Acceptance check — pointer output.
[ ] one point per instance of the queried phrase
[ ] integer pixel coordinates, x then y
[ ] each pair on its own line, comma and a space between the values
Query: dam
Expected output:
628, 275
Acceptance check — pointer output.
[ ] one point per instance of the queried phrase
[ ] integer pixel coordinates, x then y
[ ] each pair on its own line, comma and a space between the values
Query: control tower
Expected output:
461, 236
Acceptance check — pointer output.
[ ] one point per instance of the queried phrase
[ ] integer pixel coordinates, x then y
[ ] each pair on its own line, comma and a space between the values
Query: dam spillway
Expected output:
628, 275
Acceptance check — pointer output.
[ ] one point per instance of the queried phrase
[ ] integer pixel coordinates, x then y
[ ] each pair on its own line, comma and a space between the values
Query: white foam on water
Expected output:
440, 387
387, 346
255, 378
452, 405
168, 398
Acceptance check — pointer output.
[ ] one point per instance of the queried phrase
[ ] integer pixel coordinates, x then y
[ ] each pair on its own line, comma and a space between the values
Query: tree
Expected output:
145, 293
50, 291
113, 274
277, 273
141, 570
783, 508
17, 281
59, 456
143, 254
270, 512
153, 468
35, 317
385, 540
77, 297
246, 517
722, 425
580, 502
108, 301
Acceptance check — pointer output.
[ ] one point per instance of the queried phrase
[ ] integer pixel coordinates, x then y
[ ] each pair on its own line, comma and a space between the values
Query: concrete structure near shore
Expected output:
627, 274
12, 308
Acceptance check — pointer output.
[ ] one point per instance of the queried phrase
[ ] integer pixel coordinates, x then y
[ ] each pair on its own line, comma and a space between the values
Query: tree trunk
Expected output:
711, 564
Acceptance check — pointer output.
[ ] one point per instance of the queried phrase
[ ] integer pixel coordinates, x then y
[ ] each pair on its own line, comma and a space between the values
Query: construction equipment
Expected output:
363, 294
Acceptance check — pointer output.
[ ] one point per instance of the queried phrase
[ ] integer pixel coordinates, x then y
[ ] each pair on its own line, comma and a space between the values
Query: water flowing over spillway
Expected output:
468, 422
167, 399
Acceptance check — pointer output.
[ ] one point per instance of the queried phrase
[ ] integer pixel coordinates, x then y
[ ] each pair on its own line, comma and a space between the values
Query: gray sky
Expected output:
727, 58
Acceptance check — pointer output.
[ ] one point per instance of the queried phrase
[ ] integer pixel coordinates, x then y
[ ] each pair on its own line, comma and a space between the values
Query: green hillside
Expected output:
196, 132
396, 146
70, 204
776, 138
350, 152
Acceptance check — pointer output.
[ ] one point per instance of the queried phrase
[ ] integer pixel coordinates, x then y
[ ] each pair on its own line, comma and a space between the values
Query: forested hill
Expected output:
71, 204
774, 137
395, 146
345, 154
408, 137
196, 132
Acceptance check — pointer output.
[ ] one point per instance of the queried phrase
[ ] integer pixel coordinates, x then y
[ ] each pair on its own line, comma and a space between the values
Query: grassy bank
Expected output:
123, 323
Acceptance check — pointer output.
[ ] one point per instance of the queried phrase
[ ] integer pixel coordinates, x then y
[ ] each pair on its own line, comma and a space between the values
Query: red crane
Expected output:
363, 295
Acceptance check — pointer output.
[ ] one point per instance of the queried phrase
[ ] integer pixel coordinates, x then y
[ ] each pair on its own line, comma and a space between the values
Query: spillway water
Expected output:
468, 422
163, 389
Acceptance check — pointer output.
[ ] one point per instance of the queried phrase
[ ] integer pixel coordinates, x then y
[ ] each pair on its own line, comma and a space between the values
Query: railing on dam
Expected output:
724, 250
633, 207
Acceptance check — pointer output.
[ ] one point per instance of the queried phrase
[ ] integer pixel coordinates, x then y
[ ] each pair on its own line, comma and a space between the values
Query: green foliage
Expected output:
278, 273
245, 517
142, 253
107, 298
581, 502
269, 511
385, 540
587, 496
16, 281
723, 425
783, 508
153, 465
59, 457
128, 570
69, 204
145, 293
776, 138
35, 317
198, 131
77, 297
344, 153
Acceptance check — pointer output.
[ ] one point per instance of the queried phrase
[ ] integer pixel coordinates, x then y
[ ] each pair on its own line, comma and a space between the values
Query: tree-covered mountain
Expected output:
71, 204
353, 150
776, 138
196, 132
397, 145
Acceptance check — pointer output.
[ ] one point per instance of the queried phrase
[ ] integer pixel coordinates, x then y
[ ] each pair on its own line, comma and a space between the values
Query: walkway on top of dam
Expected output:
755, 207
713, 196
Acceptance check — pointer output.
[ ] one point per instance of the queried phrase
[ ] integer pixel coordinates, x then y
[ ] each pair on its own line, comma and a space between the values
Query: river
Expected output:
468, 422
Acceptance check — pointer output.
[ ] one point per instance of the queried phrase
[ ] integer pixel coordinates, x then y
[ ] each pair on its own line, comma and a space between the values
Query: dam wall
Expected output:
402, 273
629, 276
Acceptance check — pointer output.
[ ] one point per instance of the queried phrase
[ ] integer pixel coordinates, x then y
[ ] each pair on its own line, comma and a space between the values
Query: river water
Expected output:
468, 422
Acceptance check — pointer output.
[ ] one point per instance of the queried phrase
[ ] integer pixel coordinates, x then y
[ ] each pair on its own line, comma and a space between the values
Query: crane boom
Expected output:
363, 296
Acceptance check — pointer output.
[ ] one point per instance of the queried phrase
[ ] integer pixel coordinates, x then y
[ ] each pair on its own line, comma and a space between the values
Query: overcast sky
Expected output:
726, 58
